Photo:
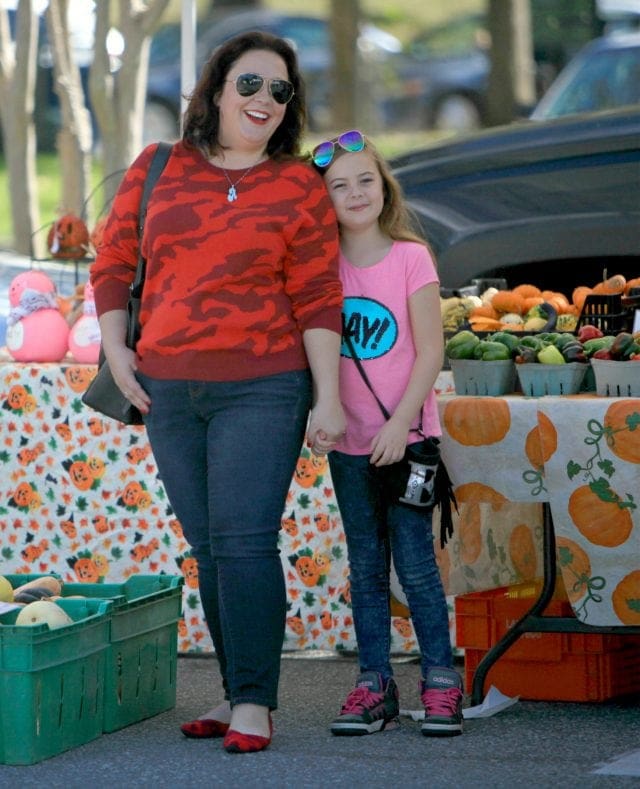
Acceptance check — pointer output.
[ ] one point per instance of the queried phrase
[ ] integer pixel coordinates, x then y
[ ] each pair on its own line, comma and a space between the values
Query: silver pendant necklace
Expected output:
232, 193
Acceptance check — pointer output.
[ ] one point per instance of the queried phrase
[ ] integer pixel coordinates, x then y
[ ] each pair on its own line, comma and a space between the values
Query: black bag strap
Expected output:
444, 495
365, 377
158, 163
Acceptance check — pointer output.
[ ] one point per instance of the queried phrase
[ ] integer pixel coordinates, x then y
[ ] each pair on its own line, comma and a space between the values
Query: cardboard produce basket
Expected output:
52, 682
538, 380
478, 377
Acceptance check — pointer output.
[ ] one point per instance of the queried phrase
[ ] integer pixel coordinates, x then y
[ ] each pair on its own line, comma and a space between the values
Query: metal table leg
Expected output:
534, 621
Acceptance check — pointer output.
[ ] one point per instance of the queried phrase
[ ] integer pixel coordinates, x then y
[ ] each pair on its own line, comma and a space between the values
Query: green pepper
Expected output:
597, 344
506, 338
529, 341
490, 351
550, 355
573, 352
549, 336
461, 345
622, 342
525, 355
565, 338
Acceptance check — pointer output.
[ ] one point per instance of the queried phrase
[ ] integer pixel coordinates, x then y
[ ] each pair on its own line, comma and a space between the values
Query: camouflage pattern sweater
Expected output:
230, 286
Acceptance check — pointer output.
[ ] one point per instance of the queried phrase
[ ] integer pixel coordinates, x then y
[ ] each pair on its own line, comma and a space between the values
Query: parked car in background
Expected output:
605, 74
552, 203
311, 37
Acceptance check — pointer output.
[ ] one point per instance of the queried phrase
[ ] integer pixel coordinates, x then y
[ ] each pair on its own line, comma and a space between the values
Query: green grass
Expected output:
49, 179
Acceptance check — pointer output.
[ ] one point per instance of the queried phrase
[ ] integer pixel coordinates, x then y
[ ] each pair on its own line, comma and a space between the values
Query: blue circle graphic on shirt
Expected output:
372, 327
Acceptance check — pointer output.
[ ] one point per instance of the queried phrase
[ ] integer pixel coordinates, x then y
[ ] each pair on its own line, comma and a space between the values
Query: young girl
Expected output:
391, 314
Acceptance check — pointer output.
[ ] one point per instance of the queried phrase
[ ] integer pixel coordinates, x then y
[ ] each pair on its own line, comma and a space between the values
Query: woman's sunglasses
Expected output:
249, 84
350, 141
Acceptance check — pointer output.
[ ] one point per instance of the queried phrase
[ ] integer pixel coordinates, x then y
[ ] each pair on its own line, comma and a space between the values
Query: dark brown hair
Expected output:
202, 117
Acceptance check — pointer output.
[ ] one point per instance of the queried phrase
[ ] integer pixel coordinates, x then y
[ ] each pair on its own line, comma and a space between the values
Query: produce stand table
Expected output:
580, 456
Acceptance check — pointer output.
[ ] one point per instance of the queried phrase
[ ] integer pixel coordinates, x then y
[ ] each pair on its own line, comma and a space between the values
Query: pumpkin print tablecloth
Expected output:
579, 453
80, 495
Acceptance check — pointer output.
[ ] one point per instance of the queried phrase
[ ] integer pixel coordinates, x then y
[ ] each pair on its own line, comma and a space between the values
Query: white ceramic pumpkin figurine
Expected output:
36, 329
84, 337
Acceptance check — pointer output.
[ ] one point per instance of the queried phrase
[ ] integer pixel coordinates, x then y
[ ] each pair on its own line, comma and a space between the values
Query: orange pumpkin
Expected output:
631, 285
23, 494
131, 494
626, 599
600, 522
579, 296
305, 474
78, 378
610, 286
508, 301
526, 291
68, 238
541, 442
403, 626
622, 440
483, 311
469, 533
477, 421
86, 571
307, 570
477, 492
81, 475
522, 552
189, 568
17, 397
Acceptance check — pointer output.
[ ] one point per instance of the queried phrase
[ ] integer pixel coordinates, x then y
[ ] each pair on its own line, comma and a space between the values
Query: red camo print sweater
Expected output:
230, 287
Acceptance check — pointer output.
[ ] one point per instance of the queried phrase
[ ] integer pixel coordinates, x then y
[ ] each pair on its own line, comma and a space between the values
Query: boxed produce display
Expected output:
616, 379
141, 658
538, 380
52, 673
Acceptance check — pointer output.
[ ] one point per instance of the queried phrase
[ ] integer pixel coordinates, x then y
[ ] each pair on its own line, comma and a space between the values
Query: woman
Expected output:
240, 338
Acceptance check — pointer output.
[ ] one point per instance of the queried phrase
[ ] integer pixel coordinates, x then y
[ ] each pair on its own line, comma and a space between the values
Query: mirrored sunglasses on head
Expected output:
350, 141
249, 84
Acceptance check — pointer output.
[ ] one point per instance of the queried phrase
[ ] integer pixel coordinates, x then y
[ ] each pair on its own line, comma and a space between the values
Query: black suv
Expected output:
553, 203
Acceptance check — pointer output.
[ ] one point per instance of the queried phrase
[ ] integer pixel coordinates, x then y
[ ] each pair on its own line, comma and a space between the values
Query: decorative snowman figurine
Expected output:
36, 329
84, 337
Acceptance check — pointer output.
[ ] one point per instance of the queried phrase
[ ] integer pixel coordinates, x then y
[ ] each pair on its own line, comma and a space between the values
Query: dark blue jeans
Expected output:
226, 453
377, 530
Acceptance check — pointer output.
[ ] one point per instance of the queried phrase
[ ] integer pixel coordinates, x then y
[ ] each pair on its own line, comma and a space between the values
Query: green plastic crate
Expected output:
52, 682
142, 658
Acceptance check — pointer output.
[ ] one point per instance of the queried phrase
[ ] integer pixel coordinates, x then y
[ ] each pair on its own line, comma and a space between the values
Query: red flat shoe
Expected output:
204, 728
238, 742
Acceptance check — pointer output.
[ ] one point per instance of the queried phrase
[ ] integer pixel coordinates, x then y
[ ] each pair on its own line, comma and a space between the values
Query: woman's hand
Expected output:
327, 425
122, 360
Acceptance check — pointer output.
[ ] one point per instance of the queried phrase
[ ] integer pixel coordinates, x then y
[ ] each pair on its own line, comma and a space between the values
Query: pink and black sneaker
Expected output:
441, 694
370, 707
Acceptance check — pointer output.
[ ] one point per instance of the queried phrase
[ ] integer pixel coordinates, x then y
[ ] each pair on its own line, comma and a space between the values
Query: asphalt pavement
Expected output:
537, 744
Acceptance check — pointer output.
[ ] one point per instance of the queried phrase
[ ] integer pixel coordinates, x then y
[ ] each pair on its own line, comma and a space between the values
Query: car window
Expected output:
608, 81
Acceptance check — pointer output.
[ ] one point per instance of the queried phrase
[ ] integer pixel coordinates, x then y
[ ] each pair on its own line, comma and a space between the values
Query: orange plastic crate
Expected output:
544, 666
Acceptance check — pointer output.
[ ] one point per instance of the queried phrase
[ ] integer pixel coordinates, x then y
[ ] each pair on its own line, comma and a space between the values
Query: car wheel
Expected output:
456, 113
160, 123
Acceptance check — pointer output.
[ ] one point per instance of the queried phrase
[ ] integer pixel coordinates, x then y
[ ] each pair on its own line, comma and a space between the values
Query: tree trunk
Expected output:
345, 15
75, 138
118, 98
17, 87
512, 77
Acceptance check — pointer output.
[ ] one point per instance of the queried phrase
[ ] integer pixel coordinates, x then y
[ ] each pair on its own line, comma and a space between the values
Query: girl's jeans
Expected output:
226, 453
373, 528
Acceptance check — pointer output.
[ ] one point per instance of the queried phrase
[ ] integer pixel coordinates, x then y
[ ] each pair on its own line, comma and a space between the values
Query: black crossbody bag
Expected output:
420, 480
103, 394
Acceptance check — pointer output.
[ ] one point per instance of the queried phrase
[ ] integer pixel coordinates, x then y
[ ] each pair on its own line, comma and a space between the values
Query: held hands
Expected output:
327, 425
123, 366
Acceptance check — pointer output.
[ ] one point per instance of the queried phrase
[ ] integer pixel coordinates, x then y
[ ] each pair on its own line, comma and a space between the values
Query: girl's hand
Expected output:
389, 445
327, 425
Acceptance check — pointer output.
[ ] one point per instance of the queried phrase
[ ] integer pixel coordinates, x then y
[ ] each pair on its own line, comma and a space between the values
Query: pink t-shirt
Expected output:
376, 315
